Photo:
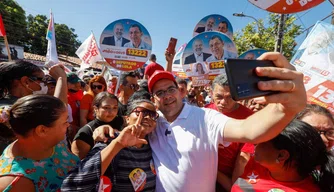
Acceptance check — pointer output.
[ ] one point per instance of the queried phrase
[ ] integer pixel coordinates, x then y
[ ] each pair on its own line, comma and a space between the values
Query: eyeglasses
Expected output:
329, 134
152, 114
97, 86
42, 79
162, 93
134, 87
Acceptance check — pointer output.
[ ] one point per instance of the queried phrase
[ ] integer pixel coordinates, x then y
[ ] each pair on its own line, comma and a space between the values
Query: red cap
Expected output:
158, 75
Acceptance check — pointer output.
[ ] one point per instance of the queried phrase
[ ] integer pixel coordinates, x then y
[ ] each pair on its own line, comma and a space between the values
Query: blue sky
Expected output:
163, 19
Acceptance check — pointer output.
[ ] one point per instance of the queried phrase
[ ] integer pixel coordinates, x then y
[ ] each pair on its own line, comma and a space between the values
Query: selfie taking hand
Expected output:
289, 83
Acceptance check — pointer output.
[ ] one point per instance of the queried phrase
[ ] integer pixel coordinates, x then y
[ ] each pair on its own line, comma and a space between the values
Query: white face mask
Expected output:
43, 91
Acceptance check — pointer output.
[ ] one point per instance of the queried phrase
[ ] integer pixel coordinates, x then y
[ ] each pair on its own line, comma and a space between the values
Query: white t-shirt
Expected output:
186, 155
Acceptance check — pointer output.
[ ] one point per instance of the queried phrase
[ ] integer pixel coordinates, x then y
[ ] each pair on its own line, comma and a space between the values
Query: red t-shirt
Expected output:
73, 100
228, 155
150, 68
257, 178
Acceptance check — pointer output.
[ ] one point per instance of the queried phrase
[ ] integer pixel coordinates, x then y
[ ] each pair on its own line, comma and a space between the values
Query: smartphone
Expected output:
243, 80
171, 45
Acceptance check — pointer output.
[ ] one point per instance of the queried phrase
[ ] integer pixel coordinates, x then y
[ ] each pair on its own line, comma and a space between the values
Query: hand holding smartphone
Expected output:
243, 79
171, 45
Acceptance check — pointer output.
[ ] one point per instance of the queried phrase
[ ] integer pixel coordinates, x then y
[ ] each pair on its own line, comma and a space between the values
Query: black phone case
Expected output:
243, 80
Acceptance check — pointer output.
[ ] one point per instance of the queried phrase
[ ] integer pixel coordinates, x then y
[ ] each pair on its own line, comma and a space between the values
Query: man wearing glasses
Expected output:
135, 34
128, 85
185, 142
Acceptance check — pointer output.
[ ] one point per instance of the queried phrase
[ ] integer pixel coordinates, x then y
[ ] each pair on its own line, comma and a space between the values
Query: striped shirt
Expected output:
86, 176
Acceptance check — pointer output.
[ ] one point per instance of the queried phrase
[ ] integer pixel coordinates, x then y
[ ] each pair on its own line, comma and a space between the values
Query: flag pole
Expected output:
7, 47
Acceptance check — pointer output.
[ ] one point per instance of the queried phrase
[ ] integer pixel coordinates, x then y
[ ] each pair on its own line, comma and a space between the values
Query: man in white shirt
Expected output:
216, 45
135, 33
186, 139
198, 55
117, 39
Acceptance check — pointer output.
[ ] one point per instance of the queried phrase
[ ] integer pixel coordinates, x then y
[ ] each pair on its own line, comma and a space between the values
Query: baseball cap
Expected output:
73, 78
158, 75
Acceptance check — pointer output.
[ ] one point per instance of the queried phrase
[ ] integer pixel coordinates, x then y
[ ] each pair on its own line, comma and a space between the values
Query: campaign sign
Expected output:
316, 53
285, 6
252, 54
205, 54
214, 22
177, 67
125, 44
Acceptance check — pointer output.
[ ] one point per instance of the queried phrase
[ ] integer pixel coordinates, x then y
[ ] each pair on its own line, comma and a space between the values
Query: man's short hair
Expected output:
218, 37
118, 24
224, 22
124, 75
153, 57
181, 81
136, 25
220, 80
197, 40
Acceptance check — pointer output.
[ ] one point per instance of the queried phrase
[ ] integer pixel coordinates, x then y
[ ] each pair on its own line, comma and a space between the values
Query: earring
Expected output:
277, 161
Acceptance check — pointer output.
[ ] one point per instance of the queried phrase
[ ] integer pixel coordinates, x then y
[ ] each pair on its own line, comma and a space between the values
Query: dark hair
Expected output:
220, 80
153, 57
314, 109
99, 98
224, 22
135, 103
10, 71
33, 110
217, 37
123, 77
307, 151
181, 81
140, 94
143, 85
136, 25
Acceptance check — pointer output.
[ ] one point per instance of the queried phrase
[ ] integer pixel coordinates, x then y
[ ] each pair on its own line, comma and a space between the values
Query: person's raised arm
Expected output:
282, 108
169, 58
58, 73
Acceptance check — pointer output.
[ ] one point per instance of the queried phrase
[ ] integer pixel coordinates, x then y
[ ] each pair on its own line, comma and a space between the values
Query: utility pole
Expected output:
280, 33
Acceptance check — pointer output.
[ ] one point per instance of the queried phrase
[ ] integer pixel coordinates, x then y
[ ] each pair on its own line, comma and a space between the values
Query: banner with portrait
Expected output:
285, 6
316, 53
205, 54
252, 54
125, 44
214, 22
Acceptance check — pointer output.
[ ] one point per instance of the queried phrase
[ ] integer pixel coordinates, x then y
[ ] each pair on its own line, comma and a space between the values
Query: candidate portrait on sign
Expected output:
199, 69
198, 55
135, 34
208, 26
117, 39
216, 45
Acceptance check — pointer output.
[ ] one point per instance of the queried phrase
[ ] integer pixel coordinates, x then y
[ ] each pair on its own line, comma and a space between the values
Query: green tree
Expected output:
255, 36
14, 19
66, 39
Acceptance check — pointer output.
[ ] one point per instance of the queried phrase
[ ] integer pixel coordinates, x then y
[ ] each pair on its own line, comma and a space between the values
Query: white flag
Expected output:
88, 52
51, 55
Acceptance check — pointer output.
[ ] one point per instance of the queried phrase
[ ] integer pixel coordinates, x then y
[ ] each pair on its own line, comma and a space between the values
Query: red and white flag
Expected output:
89, 52
2, 28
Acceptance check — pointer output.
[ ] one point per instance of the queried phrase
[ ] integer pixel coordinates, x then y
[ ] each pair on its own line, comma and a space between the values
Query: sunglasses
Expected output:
152, 114
134, 86
42, 79
97, 86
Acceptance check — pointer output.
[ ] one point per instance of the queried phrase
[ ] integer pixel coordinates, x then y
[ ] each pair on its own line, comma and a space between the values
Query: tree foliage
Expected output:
254, 35
30, 31
14, 19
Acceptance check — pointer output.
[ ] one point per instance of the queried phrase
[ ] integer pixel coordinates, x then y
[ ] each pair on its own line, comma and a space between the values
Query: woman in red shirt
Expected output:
295, 160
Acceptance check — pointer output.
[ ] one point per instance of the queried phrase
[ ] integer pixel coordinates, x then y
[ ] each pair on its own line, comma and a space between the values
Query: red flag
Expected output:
2, 28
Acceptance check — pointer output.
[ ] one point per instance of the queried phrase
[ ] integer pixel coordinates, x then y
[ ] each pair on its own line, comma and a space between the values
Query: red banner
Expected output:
2, 28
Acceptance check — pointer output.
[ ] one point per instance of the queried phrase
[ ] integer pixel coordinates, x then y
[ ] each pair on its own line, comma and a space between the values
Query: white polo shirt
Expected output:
186, 159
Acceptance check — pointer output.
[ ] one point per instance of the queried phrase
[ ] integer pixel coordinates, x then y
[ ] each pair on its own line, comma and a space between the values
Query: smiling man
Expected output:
185, 142
216, 45
135, 34
117, 39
